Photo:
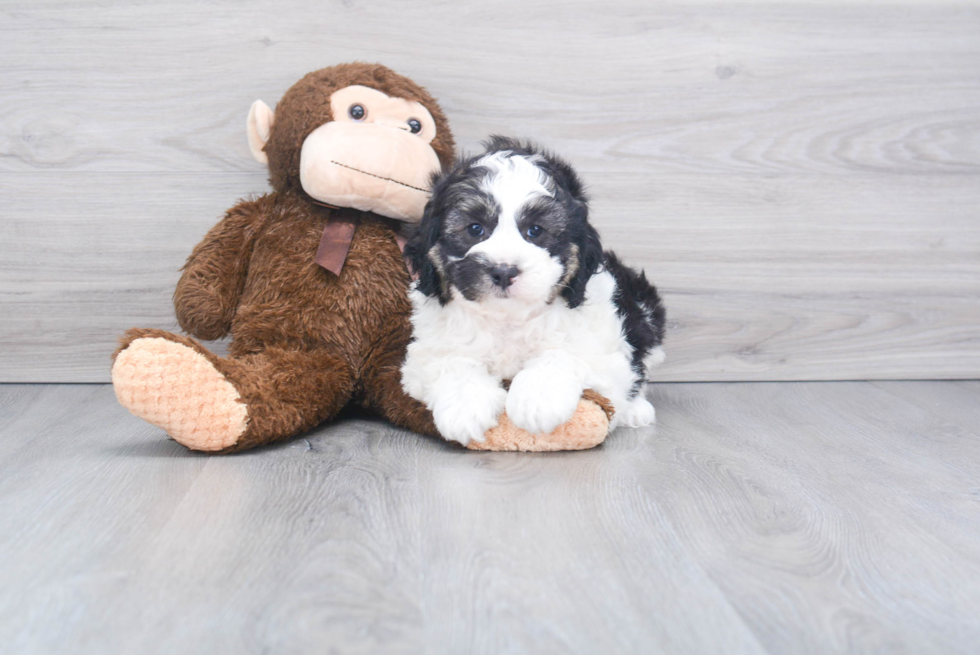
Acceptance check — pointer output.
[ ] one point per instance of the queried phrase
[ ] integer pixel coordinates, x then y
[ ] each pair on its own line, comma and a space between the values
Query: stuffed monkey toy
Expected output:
310, 282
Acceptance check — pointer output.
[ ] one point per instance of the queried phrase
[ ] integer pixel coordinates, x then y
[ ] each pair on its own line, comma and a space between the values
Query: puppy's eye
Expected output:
535, 231
357, 112
475, 229
414, 125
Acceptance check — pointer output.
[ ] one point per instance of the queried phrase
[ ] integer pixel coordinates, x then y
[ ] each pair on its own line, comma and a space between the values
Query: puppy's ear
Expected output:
585, 258
566, 178
422, 249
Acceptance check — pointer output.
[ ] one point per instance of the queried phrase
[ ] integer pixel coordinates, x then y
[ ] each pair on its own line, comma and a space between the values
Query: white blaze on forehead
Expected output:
513, 182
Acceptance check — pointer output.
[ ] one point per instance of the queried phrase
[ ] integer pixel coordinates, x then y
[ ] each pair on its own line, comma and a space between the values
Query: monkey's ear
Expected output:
260, 119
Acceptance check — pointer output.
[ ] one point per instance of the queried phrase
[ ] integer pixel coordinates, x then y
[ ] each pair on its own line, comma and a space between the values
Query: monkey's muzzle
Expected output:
370, 167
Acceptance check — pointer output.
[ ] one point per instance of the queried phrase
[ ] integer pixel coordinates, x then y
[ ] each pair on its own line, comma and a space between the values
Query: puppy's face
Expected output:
511, 223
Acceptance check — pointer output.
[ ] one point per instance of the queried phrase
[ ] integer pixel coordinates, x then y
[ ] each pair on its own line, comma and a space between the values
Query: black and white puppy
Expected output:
514, 285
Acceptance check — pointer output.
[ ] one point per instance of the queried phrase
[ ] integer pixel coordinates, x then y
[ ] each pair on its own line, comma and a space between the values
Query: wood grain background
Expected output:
801, 179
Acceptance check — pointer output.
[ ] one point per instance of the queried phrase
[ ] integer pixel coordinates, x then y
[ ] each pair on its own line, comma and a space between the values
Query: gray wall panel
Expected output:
802, 180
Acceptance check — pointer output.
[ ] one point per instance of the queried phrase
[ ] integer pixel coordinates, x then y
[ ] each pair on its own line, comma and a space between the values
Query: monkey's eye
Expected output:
357, 112
535, 231
475, 229
414, 125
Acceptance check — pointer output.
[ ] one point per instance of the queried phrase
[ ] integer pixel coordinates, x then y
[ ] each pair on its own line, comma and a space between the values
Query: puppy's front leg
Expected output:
546, 392
465, 400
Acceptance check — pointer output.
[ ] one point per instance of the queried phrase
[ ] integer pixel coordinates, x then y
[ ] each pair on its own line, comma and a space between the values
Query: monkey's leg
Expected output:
210, 403
382, 381
587, 428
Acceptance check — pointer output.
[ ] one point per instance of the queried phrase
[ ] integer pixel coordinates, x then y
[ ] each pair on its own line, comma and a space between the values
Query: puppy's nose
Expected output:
503, 275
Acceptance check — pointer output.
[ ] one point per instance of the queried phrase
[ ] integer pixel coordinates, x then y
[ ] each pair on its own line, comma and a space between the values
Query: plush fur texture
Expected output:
303, 109
514, 285
305, 342
199, 406
586, 429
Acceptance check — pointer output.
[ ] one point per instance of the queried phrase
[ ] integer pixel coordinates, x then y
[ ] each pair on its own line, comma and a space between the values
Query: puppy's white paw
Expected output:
539, 402
464, 414
637, 413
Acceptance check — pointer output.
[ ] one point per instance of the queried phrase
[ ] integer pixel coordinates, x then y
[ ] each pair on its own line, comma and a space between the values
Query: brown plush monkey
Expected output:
309, 280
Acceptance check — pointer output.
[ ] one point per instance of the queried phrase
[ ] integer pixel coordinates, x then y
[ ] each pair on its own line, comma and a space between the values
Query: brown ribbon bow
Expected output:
337, 236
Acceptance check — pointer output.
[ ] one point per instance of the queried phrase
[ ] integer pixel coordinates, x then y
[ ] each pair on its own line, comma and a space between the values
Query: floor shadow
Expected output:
160, 447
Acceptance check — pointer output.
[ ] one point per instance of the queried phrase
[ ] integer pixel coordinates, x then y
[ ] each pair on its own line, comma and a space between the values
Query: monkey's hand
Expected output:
209, 289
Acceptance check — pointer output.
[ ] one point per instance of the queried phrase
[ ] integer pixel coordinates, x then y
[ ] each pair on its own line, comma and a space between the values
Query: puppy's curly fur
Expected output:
513, 284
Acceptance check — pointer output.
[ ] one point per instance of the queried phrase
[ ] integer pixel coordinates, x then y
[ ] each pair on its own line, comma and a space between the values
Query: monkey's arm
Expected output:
213, 278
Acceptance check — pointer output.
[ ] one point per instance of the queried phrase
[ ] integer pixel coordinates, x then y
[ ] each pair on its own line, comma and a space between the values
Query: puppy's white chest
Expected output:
505, 335
512, 347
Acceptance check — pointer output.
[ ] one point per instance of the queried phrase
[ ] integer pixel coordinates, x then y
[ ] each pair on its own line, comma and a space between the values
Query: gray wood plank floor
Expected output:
754, 518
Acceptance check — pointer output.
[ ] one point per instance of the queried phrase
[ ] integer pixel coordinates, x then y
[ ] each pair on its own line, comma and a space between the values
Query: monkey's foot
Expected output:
176, 388
586, 429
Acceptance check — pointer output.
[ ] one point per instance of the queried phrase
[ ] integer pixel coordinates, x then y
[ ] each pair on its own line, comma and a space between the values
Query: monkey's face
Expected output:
375, 155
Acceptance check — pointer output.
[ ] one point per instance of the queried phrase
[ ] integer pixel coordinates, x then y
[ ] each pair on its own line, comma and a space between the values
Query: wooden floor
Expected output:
755, 518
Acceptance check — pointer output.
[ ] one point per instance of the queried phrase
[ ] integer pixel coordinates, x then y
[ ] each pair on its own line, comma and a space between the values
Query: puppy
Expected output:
514, 285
